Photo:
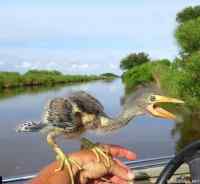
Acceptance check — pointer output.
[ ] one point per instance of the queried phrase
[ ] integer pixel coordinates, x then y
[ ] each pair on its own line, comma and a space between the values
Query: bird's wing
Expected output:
86, 102
58, 113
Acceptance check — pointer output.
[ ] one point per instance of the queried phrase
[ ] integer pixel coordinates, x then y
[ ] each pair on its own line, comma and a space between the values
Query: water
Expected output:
27, 153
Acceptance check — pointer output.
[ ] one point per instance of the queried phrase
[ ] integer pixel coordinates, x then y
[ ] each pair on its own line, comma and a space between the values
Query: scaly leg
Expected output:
64, 159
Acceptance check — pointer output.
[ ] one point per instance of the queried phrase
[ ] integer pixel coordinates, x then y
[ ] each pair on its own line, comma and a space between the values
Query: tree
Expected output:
188, 35
189, 13
190, 82
133, 60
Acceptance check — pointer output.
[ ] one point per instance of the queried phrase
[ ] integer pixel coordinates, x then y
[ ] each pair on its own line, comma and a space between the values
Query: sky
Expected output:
87, 37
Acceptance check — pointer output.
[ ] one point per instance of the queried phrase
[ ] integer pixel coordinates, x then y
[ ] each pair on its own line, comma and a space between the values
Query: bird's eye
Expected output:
152, 98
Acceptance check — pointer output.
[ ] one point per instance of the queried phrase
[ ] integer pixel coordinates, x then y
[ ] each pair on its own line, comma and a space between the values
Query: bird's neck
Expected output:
122, 120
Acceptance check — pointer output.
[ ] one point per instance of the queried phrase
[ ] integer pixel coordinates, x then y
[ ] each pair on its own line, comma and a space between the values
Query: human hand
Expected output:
93, 171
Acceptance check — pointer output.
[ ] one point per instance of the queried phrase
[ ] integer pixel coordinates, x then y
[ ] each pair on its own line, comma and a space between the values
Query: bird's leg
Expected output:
64, 159
87, 144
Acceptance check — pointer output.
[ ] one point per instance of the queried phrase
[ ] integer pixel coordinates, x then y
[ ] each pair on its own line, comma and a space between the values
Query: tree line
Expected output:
44, 78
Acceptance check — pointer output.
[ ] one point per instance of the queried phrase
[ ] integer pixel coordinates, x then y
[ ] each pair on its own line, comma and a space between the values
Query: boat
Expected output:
184, 167
146, 171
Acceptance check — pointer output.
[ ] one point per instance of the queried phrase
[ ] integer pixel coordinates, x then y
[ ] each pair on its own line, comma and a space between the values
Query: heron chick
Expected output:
81, 111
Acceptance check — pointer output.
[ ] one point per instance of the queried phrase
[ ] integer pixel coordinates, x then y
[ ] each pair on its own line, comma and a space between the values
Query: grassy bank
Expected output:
42, 78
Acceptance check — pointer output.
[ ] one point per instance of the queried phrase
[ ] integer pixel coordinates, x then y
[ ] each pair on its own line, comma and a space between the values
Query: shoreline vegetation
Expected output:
179, 77
9, 80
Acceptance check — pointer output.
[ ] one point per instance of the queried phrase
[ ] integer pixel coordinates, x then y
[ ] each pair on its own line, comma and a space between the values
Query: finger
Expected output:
118, 180
123, 173
113, 180
102, 182
121, 163
106, 178
98, 181
118, 151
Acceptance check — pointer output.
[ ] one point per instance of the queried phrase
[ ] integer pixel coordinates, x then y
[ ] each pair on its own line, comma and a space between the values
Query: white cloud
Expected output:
84, 60
85, 64
25, 64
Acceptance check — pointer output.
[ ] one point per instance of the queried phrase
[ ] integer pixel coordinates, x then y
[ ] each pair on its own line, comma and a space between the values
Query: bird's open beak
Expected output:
157, 111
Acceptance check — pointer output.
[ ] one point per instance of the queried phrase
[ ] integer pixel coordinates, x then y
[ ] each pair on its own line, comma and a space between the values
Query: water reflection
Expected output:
187, 130
12, 92
8, 93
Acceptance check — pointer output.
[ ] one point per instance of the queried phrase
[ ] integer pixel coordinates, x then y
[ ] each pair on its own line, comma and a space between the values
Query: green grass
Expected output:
144, 73
137, 75
42, 78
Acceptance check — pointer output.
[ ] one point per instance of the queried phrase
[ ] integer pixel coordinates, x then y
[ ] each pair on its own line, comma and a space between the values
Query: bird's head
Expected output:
27, 126
144, 100
153, 106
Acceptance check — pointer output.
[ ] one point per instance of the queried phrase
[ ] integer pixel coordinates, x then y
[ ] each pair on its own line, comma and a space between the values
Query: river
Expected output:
27, 152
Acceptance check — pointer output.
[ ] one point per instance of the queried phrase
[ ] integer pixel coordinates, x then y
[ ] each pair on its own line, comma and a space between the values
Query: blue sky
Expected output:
85, 36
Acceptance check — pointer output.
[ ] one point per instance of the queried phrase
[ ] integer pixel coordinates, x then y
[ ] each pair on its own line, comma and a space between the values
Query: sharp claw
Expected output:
99, 151
96, 154
58, 169
61, 166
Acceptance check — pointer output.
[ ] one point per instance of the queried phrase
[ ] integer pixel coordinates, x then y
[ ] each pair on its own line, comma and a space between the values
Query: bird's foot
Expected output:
99, 153
97, 150
66, 160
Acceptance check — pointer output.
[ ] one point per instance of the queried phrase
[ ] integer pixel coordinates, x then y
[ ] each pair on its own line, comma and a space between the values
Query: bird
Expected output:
81, 111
